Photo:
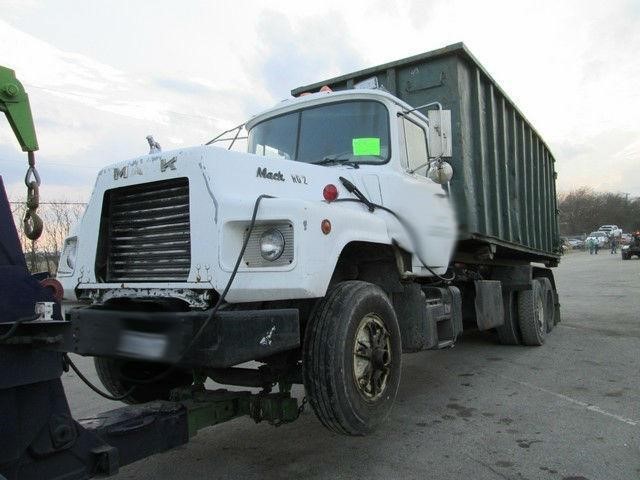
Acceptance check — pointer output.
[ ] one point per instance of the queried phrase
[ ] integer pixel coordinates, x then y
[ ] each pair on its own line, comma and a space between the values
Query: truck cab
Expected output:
172, 224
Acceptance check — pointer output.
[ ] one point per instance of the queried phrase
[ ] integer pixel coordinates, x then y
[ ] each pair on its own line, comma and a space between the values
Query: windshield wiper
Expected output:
336, 160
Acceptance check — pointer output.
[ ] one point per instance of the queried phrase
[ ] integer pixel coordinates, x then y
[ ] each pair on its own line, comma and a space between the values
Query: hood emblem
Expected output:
168, 164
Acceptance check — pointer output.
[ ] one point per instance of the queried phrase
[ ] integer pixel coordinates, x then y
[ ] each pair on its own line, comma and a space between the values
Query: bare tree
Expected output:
58, 217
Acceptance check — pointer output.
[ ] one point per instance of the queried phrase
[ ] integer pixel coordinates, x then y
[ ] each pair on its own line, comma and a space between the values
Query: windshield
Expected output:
596, 234
353, 131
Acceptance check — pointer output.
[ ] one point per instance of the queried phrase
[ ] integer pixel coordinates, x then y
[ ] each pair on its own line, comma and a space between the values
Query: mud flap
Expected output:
489, 305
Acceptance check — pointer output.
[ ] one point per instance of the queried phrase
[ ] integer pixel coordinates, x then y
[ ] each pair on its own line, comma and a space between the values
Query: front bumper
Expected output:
230, 338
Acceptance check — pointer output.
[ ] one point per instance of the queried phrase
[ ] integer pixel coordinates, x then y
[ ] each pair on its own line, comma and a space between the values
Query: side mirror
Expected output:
439, 133
440, 172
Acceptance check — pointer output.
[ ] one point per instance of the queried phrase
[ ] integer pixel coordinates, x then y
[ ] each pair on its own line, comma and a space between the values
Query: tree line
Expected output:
584, 210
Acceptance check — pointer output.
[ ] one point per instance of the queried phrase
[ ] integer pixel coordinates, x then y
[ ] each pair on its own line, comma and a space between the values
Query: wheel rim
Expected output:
539, 316
371, 357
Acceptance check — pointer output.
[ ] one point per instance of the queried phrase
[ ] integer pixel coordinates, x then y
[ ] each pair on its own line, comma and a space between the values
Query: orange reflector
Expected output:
325, 226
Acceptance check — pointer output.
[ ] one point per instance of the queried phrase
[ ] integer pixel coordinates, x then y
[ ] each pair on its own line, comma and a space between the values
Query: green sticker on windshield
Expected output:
366, 146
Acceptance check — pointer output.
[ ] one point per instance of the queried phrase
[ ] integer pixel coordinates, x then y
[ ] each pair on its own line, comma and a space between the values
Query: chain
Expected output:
32, 223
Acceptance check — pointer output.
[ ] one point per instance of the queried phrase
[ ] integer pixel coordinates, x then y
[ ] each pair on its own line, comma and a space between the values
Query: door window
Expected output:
416, 144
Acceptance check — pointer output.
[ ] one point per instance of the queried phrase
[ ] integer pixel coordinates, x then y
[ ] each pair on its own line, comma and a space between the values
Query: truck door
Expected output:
423, 203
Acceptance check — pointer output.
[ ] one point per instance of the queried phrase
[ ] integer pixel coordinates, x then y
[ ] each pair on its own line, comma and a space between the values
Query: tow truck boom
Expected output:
14, 102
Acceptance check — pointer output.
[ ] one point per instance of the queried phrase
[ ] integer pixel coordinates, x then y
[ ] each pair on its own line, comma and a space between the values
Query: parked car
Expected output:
575, 243
611, 230
601, 237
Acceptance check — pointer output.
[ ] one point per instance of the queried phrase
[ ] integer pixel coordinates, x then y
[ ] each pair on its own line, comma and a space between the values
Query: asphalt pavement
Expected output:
569, 410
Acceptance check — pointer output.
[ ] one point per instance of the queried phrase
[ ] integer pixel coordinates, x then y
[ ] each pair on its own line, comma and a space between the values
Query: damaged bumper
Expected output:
230, 338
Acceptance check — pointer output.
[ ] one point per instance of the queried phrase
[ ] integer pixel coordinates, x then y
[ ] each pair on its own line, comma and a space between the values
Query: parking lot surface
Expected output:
568, 410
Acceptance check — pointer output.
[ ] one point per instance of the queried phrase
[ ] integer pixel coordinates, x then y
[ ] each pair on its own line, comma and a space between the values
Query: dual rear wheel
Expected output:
529, 314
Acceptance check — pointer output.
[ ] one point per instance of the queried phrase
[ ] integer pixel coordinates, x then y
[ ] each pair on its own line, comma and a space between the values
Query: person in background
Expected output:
614, 244
591, 244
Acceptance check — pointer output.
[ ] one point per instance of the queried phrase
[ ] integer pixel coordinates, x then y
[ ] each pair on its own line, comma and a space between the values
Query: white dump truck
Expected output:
374, 216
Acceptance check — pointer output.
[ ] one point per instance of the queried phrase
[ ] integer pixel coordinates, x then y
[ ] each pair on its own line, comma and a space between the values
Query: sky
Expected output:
102, 75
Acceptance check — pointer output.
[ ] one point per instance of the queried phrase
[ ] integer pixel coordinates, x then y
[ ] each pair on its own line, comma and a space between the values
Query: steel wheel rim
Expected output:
371, 357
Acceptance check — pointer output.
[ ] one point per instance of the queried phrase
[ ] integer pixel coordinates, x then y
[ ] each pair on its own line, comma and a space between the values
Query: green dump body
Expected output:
503, 186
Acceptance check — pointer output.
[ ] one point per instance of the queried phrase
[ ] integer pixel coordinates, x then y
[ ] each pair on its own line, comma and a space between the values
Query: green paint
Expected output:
210, 407
14, 102
366, 146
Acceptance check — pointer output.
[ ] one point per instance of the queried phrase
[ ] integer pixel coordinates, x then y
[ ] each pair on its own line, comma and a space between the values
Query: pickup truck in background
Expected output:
611, 230
374, 214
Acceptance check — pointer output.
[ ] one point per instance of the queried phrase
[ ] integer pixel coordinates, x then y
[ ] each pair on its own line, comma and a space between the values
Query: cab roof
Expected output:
318, 98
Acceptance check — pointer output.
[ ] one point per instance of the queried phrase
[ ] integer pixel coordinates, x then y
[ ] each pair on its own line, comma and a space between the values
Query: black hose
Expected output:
75, 368
15, 326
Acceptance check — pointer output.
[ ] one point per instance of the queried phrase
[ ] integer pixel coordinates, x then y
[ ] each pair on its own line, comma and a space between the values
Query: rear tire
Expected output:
117, 377
549, 303
509, 332
352, 358
531, 314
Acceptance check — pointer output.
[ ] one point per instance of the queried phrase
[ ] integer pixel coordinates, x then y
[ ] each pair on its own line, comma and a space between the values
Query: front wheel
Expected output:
352, 358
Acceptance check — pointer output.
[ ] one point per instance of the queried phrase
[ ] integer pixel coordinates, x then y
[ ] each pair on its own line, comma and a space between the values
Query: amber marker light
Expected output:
325, 226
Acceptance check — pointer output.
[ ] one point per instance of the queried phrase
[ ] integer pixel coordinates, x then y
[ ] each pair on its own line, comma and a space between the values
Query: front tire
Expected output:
352, 358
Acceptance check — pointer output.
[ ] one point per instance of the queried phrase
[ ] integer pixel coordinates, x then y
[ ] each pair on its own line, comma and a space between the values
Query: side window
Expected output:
416, 143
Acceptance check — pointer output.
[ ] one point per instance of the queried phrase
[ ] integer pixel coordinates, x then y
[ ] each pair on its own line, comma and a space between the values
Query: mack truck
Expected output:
374, 214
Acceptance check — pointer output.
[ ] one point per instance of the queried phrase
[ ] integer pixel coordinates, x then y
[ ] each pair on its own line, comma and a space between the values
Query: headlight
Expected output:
271, 244
625, 247
67, 262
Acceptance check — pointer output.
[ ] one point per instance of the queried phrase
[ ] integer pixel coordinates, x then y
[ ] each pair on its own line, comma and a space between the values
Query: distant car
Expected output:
611, 230
575, 243
601, 237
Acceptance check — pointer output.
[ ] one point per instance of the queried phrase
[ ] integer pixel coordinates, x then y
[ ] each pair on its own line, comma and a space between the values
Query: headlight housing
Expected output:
272, 244
67, 262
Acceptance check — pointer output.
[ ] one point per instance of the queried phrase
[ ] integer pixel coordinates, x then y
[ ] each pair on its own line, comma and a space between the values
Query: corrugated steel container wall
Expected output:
504, 180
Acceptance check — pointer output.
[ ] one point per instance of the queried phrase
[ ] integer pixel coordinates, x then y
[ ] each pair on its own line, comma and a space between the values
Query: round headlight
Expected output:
271, 244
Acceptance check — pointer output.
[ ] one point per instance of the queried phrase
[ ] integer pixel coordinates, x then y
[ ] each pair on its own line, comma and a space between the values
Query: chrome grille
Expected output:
253, 258
148, 234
